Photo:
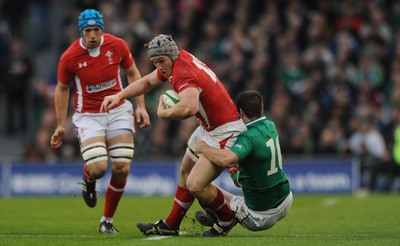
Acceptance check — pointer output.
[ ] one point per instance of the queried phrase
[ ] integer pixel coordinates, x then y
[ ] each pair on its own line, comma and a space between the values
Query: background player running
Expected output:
93, 64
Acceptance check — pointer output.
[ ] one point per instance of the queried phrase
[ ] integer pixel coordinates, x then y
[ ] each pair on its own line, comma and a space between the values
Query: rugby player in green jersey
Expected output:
267, 197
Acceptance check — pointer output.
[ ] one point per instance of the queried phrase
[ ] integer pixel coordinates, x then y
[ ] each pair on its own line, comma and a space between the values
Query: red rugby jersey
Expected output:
216, 106
95, 72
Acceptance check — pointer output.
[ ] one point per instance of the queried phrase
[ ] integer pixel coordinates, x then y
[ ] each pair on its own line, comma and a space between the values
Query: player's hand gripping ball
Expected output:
170, 98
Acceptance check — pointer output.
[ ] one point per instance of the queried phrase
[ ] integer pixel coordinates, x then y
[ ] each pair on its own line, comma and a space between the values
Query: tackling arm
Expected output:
220, 157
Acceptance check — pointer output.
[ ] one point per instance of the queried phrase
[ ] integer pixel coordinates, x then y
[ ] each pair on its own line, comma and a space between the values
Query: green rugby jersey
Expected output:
263, 180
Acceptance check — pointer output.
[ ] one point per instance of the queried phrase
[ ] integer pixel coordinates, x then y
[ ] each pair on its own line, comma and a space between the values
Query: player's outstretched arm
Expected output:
110, 102
139, 87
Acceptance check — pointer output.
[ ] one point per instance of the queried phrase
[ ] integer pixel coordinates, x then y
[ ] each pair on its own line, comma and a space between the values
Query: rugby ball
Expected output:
170, 98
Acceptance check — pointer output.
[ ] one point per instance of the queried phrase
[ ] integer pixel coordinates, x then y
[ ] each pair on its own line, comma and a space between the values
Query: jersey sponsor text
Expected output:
100, 87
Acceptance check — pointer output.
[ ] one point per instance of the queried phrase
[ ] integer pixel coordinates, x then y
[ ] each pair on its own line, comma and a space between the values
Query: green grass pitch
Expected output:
313, 220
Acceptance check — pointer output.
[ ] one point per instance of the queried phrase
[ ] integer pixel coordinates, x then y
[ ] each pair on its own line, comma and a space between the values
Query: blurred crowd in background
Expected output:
329, 70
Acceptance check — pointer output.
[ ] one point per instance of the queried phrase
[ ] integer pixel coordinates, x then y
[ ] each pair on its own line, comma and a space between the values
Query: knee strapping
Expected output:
122, 152
94, 152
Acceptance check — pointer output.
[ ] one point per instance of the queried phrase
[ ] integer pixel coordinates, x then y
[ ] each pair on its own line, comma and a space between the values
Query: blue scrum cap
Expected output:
90, 17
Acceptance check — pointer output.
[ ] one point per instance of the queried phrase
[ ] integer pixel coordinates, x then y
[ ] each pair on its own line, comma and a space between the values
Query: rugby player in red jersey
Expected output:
93, 64
201, 94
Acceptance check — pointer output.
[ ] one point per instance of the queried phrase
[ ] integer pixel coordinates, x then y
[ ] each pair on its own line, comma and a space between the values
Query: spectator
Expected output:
368, 146
17, 70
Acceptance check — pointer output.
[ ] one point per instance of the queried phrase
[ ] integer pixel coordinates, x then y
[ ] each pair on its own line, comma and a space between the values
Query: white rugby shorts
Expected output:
90, 125
221, 137
259, 220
